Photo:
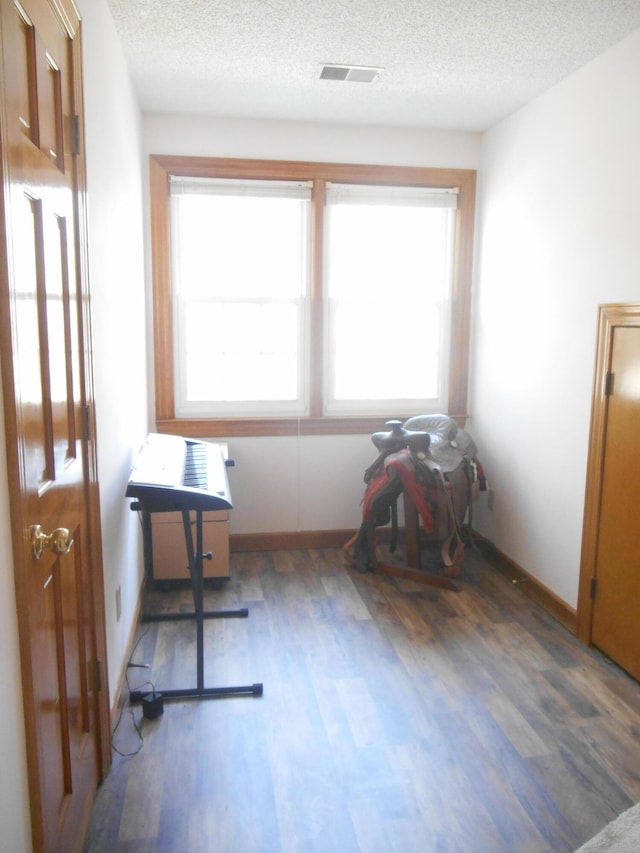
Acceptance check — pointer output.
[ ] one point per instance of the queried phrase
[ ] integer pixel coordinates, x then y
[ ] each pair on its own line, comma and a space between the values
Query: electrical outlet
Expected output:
118, 603
491, 499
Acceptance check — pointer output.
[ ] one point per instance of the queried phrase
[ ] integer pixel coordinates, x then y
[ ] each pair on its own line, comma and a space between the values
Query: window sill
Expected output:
238, 427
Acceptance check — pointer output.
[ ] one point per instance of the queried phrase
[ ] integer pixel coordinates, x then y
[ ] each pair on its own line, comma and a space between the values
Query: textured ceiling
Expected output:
451, 64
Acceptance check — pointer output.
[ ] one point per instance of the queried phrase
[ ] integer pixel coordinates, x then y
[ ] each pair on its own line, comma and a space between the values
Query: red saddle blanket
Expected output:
400, 472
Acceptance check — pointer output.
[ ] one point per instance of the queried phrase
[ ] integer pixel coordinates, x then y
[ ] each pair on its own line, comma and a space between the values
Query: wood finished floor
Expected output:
395, 717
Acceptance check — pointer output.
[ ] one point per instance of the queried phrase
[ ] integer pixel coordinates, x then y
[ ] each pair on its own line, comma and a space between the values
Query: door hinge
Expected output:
608, 384
592, 590
95, 667
86, 422
75, 135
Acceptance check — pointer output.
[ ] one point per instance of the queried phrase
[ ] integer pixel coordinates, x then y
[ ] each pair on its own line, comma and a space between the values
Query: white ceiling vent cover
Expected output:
351, 73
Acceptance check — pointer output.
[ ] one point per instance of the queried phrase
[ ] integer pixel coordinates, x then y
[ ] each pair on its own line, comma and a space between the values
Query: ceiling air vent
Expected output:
352, 73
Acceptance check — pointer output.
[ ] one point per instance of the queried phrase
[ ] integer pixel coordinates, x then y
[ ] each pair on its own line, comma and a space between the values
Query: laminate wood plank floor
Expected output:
395, 717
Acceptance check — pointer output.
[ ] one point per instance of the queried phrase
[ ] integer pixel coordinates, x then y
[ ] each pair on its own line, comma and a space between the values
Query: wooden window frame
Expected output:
161, 167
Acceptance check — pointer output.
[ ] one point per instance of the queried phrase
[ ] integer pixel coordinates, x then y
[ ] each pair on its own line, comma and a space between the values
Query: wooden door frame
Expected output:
609, 317
67, 13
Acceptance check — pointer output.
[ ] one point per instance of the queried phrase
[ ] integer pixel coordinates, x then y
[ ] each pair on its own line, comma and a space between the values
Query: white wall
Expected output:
559, 226
285, 484
329, 143
317, 479
114, 179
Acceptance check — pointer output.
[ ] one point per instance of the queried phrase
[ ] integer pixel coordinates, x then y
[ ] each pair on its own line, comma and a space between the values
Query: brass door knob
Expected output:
58, 541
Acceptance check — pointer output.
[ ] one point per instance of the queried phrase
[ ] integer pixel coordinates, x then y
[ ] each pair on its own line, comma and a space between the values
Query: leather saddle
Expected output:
433, 438
433, 461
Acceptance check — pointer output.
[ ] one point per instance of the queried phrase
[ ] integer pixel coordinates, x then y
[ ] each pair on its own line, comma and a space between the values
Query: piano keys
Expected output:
172, 474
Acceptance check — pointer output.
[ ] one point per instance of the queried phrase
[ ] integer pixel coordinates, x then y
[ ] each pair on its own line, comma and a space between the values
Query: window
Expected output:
240, 275
305, 297
387, 282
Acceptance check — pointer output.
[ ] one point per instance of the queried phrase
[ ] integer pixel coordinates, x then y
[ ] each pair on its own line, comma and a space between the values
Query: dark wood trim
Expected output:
291, 541
531, 587
225, 167
609, 316
297, 539
162, 166
243, 427
162, 297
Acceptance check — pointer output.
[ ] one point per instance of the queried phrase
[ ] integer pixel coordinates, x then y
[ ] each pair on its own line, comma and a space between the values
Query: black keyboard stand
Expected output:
195, 557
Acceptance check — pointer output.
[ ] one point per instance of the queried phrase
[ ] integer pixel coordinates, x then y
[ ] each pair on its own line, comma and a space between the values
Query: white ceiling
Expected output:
449, 64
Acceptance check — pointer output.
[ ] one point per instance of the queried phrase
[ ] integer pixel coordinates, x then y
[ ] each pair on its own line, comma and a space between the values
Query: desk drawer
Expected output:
169, 549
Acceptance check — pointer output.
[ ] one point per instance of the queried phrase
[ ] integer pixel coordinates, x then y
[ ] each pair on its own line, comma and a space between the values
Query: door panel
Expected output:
45, 381
616, 606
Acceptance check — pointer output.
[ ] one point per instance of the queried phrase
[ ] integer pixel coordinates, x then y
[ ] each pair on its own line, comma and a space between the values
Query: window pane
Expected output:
240, 292
389, 284
245, 246
376, 251
386, 353
241, 351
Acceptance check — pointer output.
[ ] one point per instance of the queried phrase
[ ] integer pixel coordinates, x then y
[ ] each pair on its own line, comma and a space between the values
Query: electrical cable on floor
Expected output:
138, 730
136, 725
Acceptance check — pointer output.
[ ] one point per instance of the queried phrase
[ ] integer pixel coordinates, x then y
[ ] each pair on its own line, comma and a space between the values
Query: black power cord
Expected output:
136, 724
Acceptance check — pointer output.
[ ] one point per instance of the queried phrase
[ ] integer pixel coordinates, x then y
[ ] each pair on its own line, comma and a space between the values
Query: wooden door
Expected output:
612, 569
48, 412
